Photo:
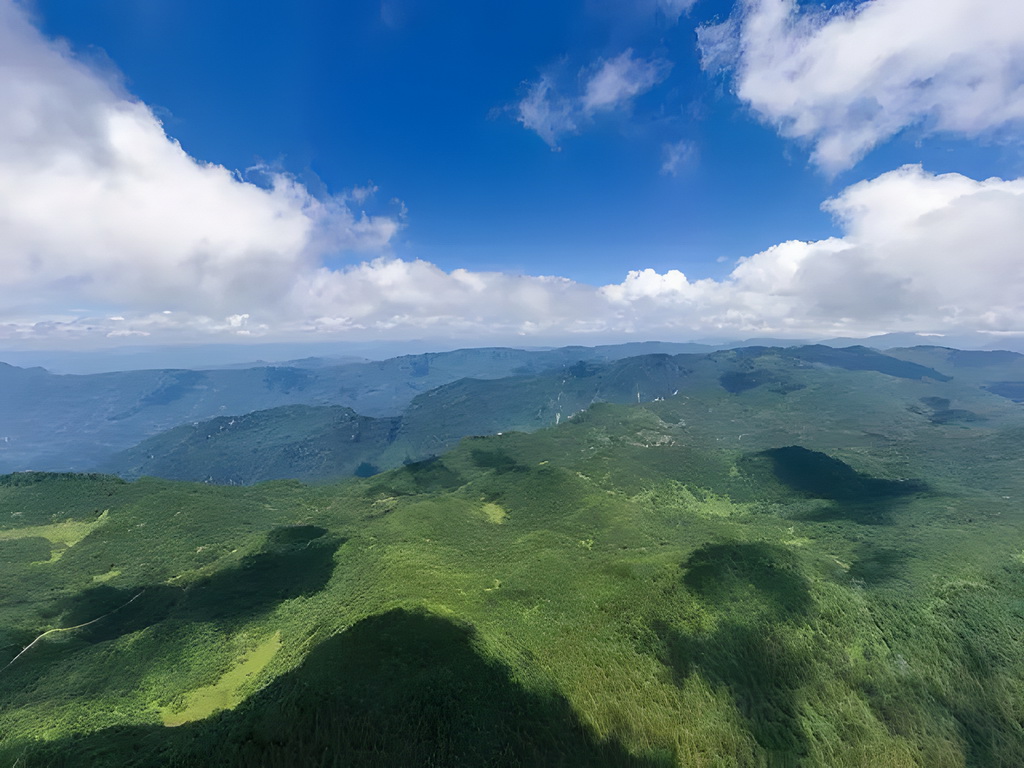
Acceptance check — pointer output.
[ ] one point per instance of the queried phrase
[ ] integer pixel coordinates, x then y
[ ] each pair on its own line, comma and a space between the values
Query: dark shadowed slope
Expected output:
397, 689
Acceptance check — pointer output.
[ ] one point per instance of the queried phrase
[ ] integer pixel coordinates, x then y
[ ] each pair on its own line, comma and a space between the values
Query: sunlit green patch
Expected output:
672, 497
712, 505
62, 536
796, 541
105, 577
494, 513
226, 693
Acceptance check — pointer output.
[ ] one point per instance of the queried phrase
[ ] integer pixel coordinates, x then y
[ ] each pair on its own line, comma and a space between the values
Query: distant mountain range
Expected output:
321, 354
73, 422
425, 403
317, 443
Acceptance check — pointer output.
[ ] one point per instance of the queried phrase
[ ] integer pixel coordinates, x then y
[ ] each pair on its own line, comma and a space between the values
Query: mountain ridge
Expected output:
437, 419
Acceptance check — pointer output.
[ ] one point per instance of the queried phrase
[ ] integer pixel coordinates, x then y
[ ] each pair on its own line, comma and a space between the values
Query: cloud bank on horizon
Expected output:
108, 228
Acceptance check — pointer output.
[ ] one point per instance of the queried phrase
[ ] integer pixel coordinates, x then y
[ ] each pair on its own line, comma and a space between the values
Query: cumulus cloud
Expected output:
386, 294
605, 86
109, 229
848, 78
920, 252
99, 204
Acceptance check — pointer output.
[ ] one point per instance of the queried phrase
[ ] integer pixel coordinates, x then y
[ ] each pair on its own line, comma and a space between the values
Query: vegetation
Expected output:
813, 575
67, 422
293, 441
317, 443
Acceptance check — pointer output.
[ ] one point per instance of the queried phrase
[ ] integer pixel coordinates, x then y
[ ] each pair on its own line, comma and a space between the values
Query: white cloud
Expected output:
616, 81
673, 9
920, 252
849, 78
99, 204
390, 293
547, 113
605, 86
675, 156
101, 212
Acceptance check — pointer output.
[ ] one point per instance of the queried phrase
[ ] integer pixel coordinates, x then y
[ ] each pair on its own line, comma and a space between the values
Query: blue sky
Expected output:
430, 104
418, 106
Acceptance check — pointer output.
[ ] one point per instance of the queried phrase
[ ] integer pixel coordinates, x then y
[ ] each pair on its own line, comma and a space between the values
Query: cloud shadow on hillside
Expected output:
403, 688
855, 496
756, 589
295, 561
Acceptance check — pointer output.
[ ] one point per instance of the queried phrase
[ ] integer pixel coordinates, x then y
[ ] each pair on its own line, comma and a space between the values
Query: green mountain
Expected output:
999, 372
75, 422
746, 574
318, 443
272, 444
293, 441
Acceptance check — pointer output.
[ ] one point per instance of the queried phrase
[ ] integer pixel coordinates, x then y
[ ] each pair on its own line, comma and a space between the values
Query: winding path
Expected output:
68, 629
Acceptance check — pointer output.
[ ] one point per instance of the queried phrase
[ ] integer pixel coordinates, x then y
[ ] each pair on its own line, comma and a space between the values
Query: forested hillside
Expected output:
822, 575
320, 443
68, 422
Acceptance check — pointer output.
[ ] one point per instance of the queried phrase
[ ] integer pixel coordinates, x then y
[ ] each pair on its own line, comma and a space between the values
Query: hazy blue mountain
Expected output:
963, 341
294, 355
204, 356
998, 371
293, 441
73, 422
240, 450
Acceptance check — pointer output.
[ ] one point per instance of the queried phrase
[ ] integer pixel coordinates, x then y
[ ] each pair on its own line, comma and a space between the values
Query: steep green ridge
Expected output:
271, 445
819, 576
858, 358
293, 441
998, 372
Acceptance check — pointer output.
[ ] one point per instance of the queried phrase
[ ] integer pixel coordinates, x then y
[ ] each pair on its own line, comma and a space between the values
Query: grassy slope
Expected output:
671, 584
